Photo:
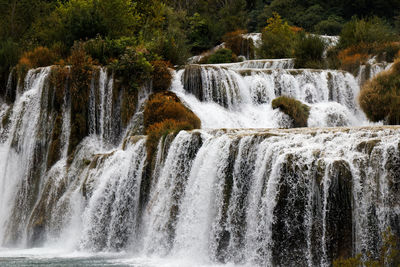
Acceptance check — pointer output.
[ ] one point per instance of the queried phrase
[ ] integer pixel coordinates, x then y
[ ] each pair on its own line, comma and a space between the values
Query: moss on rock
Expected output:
295, 109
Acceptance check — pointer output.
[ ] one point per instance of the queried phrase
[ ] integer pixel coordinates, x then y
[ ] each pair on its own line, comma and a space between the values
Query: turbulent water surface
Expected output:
231, 193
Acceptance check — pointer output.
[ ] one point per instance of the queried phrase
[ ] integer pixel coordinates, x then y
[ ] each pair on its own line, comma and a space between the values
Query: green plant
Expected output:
81, 71
222, 55
295, 109
133, 67
106, 50
171, 43
331, 26
9, 54
389, 254
380, 97
308, 51
368, 31
277, 39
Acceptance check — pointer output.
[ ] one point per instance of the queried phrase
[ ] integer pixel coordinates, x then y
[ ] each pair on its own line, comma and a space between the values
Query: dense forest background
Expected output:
170, 30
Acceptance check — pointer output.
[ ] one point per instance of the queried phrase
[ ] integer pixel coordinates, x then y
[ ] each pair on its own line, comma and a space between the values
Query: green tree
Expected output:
308, 51
277, 39
367, 31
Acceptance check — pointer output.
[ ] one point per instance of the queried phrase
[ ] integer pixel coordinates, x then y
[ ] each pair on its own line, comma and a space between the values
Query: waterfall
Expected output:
232, 192
229, 96
245, 196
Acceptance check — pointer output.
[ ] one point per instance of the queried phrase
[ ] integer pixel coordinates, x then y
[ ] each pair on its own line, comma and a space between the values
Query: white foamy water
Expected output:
226, 96
208, 197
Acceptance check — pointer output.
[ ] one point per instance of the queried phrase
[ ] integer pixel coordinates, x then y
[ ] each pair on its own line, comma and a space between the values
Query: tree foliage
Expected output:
277, 39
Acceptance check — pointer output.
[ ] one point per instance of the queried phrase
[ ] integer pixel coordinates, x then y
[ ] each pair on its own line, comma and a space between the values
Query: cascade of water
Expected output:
242, 97
256, 197
261, 197
371, 70
286, 63
21, 153
275, 198
111, 216
102, 107
166, 196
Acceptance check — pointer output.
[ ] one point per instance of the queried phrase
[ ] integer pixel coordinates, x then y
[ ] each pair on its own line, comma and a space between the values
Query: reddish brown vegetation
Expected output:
164, 113
161, 75
380, 97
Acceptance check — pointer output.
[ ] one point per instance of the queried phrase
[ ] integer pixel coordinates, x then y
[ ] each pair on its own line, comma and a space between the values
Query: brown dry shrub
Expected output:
296, 110
352, 57
351, 62
166, 105
81, 72
296, 29
40, 57
162, 129
380, 97
234, 41
164, 113
161, 75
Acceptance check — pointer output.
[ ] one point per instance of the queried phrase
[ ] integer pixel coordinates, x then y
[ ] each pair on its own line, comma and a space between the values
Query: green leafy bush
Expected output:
308, 51
171, 43
389, 254
106, 50
133, 67
277, 39
295, 109
223, 55
9, 54
380, 97
200, 34
331, 26
84, 19
367, 31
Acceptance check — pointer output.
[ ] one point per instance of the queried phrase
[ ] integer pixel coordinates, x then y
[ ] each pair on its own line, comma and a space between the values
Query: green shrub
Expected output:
389, 254
133, 67
367, 31
296, 110
308, 51
277, 39
223, 55
172, 42
331, 26
106, 50
380, 97
200, 34
76, 20
9, 54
